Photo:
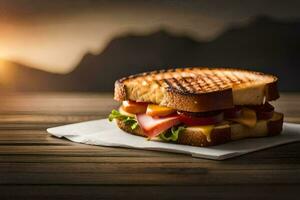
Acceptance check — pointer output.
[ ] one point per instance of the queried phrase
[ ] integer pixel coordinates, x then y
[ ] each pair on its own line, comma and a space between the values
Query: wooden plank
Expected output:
199, 177
286, 154
75, 150
21, 122
30, 137
46, 119
15, 126
143, 167
98, 159
81, 150
56, 103
235, 192
255, 158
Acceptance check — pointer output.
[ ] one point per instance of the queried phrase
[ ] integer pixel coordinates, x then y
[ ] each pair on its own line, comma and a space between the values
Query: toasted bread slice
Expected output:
221, 133
198, 89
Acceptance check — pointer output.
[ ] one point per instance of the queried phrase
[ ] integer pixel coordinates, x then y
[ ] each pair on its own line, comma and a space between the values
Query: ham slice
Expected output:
154, 126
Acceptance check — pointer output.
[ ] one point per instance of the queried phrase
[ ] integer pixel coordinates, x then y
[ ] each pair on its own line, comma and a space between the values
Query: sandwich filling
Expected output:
167, 123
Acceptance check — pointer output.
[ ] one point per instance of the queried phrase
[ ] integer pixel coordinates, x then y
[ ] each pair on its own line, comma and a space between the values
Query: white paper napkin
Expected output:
105, 133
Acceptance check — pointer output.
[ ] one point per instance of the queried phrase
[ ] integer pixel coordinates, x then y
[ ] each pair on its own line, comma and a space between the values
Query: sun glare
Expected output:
2, 67
5, 77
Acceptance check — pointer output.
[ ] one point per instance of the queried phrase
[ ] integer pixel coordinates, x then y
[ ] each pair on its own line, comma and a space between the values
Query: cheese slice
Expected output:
239, 131
123, 112
205, 130
156, 110
247, 118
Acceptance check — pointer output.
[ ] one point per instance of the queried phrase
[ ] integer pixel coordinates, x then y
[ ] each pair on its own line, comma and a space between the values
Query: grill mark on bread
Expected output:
237, 79
213, 79
179, 85
234, 79
157, 82
225, 76
187, 85
168, 83
201, 79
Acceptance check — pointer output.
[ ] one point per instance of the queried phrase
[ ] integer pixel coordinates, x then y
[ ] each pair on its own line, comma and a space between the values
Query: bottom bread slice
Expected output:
221, 133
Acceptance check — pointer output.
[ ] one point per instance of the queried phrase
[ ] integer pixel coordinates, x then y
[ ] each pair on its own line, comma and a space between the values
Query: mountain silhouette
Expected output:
265, 44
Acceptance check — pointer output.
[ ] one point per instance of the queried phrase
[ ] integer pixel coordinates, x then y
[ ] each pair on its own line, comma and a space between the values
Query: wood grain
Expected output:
39, 166
235, 192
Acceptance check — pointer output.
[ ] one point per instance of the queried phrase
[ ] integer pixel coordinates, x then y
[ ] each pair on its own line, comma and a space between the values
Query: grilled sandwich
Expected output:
198, 106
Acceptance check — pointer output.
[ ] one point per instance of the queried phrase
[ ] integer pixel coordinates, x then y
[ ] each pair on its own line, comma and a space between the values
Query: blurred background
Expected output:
85, 45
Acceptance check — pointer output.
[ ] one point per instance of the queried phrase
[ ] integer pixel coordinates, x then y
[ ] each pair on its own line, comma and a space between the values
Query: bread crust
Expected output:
220, 134
181, 99
199, 102
275, 125
272, 92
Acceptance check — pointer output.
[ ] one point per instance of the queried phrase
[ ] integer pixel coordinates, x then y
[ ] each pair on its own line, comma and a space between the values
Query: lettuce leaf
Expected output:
131, 121
172, 133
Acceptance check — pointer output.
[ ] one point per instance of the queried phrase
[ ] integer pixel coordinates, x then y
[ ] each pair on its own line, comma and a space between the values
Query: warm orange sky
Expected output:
54, 37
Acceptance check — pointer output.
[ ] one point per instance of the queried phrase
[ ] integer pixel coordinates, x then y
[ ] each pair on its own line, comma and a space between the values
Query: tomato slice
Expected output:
134, 107
201, 120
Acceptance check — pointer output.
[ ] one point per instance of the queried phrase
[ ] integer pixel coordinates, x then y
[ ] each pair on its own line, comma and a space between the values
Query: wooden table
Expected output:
37, 166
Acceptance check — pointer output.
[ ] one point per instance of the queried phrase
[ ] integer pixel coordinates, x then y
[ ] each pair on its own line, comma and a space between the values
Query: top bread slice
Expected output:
198, 89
